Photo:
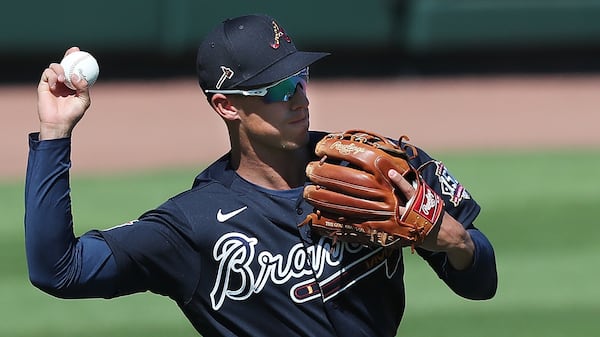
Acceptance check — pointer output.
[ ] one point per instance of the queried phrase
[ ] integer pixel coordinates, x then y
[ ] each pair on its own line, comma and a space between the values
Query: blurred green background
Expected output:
538, 206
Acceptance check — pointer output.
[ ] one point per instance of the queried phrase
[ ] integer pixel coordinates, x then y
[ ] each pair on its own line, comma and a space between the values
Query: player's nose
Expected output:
300, 99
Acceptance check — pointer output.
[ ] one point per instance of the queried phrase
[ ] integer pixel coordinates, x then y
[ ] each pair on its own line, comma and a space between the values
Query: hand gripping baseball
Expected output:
59, 107
355, 199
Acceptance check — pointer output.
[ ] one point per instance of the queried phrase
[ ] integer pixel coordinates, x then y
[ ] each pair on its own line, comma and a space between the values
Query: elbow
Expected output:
478, 283
47, 285
482, 287
485, 291
484, 273
491, 290
477, 292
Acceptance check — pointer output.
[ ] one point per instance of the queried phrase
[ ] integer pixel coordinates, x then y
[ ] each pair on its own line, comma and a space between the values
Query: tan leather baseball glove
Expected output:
354, 199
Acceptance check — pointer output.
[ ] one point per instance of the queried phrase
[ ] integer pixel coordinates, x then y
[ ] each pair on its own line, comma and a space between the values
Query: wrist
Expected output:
52, 131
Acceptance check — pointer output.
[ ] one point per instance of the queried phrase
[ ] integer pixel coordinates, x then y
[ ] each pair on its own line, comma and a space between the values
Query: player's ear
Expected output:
224, 107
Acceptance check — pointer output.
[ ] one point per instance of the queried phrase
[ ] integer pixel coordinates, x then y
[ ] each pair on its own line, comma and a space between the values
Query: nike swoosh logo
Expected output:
222, 217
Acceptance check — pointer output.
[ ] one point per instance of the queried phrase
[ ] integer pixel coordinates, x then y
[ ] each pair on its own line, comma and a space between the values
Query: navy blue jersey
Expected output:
232, 256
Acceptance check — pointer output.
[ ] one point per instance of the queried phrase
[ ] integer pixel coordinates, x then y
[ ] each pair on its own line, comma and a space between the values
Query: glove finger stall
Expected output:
346, 180
345, 205
357, 154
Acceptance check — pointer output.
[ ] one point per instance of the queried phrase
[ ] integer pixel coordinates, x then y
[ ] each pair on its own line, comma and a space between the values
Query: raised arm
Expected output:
58, 262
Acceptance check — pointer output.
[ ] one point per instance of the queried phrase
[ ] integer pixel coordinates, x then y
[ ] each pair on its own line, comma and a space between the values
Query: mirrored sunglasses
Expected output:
281, 91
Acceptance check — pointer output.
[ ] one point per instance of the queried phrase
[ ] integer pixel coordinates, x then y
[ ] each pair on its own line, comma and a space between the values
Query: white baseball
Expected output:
83, 64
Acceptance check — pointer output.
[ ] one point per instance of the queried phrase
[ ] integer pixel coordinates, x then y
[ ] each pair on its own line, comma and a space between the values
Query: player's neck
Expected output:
279, 171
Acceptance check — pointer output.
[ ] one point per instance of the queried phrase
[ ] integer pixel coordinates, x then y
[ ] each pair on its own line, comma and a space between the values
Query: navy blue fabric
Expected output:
232, 256
58, 262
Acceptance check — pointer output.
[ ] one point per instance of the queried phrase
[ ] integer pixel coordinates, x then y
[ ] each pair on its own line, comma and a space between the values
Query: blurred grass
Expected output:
538, 210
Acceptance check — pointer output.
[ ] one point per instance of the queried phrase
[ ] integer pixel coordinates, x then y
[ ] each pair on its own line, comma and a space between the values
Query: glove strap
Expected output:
424, 210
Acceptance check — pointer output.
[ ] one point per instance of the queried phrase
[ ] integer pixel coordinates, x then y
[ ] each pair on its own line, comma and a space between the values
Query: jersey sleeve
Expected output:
479, 281
458, 202
139, 256
156, 253
58, 262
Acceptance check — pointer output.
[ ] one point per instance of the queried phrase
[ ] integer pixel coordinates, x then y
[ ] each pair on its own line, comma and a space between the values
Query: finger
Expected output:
79, 83
56, 77
405, 187
71, 50
60, 72
49, 77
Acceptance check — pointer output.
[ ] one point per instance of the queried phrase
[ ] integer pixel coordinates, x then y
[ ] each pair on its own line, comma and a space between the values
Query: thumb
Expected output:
78, 82
81, 87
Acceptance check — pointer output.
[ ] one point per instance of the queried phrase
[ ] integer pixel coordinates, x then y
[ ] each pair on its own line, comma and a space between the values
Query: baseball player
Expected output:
229, 251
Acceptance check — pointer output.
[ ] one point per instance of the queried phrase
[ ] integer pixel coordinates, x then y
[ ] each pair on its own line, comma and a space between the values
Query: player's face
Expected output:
279, 125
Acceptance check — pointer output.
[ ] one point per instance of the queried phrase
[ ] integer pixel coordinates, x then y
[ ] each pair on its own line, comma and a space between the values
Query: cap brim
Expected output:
283, 68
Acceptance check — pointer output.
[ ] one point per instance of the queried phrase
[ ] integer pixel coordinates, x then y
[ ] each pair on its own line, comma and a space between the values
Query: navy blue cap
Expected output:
249, 51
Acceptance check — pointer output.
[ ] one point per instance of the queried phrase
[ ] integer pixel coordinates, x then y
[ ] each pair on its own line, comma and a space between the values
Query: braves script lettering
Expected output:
235, 253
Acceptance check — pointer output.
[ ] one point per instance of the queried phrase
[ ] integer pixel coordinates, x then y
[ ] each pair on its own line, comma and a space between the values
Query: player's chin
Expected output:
296, 136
